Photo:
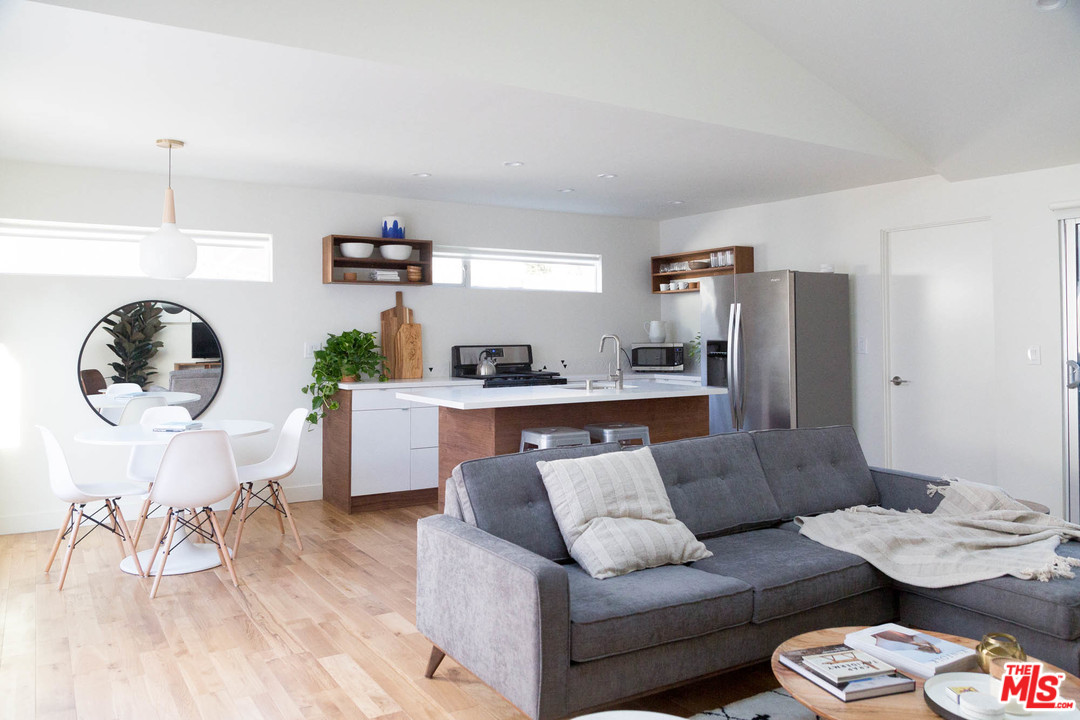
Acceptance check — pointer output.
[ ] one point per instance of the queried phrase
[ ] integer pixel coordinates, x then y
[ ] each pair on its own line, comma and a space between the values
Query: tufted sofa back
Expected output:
718, 484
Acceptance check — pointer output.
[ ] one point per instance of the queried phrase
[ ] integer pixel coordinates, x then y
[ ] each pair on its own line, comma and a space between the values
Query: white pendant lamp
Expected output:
167, 252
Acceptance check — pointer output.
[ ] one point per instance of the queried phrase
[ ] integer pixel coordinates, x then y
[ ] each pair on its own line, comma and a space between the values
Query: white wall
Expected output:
262, 326
844, 229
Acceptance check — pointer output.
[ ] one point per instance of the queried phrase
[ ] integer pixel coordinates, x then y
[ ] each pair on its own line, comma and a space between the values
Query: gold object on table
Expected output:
997, 645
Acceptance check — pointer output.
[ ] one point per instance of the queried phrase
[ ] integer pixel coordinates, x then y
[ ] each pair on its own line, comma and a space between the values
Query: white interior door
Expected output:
940, 360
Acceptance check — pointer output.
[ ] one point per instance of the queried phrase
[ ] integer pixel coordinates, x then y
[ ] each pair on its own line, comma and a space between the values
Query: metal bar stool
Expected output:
549, 437
620, 432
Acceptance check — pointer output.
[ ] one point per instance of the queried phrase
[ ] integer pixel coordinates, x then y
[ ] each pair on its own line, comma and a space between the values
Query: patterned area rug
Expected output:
772, 705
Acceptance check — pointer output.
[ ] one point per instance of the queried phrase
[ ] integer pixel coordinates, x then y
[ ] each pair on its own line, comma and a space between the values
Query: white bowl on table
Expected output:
396, 252
356, 249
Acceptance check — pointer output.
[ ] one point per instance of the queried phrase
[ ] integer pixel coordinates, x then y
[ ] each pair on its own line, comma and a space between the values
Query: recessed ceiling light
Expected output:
675, 202
566, 189
607, 176
1048, 5
513, 163
421, 175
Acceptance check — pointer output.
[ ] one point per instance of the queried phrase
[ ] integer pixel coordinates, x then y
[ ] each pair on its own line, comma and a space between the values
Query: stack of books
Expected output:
847, 673
177, 426
386, 275
911, 651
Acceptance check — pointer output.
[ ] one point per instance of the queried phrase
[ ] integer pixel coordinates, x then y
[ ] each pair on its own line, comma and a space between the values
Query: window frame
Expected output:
468, 254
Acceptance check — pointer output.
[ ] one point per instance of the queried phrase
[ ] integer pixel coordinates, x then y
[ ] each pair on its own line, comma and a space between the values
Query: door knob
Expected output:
897, 380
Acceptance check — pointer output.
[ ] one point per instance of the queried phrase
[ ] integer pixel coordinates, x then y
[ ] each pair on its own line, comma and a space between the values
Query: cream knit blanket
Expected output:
977, 532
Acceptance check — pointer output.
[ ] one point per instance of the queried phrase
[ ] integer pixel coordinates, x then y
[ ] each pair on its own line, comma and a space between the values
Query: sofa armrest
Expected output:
901, 490
498, 609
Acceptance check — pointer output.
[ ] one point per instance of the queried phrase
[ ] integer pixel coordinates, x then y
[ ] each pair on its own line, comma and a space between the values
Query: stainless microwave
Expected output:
657, 357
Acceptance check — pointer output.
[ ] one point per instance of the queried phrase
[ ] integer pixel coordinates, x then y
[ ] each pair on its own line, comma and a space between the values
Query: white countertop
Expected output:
475, 398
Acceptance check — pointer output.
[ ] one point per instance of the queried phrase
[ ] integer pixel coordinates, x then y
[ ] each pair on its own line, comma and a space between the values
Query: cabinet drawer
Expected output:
377, 400
425, 427
424, 468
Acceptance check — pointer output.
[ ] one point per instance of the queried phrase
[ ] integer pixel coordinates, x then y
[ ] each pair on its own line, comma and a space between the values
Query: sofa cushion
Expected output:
504, 495
650, 607
614, 513
1050, 607
788, 572
815, 470
716, 483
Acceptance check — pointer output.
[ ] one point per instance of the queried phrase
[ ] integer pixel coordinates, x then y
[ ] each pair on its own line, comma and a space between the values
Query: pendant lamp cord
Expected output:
170, 166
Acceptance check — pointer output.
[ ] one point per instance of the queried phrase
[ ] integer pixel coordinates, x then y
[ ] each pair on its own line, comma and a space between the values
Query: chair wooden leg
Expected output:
70, 547
110, 510
222, 548
158, 540
141, 521
280, 493
165, 557
128, 540
60, 536
277, 510
436, 657
232, 509
243, 519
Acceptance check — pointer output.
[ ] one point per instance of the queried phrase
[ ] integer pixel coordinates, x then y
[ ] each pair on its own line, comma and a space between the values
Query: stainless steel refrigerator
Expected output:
781, 343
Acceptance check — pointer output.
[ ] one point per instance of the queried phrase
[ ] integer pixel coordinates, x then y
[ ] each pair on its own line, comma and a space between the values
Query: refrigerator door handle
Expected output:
1072, 374
731, 367
737, 338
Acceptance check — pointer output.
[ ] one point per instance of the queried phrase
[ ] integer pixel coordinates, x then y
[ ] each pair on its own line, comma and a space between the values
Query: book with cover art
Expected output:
847, 664
912, 651
849, 690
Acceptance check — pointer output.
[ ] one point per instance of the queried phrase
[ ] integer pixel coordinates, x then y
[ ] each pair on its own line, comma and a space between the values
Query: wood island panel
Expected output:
471, 434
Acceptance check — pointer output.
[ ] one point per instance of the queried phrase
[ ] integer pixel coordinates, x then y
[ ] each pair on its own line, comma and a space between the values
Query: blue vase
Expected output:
393, 227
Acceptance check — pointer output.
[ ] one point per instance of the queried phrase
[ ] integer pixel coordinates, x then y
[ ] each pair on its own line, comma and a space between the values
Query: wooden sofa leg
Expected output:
437, 656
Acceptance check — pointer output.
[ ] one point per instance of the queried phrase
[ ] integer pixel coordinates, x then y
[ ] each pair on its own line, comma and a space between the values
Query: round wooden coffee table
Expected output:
902, 706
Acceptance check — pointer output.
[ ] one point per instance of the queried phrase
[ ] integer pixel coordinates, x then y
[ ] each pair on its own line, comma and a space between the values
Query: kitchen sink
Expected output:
598, 387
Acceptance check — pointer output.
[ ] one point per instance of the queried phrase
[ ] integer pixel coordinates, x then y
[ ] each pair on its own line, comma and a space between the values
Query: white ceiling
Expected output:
715, 104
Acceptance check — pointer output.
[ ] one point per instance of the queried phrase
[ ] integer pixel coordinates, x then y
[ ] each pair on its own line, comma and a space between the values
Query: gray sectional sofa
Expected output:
498, 592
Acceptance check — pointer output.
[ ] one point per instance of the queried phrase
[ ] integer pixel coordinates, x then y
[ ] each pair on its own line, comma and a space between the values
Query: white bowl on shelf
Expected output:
396, 252
356, 249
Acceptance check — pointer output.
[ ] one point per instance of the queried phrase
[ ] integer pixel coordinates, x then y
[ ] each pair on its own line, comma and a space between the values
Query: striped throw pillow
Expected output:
614, 513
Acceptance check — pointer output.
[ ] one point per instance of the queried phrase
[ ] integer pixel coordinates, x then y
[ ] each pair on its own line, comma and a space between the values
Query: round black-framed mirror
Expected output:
150, 348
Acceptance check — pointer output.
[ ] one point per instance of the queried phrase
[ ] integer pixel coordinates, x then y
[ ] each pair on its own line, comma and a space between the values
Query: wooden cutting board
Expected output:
408, 355
391, 322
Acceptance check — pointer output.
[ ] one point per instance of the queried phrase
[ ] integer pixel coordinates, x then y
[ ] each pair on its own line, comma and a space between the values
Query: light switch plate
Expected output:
861, 346
1034, 355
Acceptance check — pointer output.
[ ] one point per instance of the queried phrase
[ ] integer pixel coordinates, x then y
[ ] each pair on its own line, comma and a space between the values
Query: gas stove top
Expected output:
513, 366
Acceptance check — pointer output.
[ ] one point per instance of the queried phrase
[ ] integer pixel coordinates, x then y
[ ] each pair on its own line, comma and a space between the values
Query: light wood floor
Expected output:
327, 633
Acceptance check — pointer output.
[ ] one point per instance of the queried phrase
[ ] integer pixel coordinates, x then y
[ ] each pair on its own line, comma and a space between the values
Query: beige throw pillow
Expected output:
614, 513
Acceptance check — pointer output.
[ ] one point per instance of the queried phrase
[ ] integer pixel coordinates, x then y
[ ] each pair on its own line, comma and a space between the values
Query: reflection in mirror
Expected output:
150, 348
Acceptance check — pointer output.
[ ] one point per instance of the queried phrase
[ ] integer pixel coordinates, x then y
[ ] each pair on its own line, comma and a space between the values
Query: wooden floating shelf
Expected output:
743, 263
335, 265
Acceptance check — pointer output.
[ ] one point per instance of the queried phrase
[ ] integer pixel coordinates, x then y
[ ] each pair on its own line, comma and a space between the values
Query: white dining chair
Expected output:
135, 408
144, 460
78, 497
197, 470
122, 389
261, 481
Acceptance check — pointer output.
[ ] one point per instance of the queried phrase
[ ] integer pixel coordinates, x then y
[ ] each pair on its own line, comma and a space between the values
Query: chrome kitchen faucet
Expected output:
617, 376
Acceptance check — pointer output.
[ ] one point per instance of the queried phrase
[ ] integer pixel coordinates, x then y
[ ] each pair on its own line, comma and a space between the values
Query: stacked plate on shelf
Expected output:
385, 275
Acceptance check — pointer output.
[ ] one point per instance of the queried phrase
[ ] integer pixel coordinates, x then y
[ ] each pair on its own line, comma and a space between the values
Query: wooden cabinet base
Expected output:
385, 501
470, 434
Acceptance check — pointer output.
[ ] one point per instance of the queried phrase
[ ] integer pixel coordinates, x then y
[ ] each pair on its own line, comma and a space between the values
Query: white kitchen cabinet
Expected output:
380, 451
424, 468
424, 432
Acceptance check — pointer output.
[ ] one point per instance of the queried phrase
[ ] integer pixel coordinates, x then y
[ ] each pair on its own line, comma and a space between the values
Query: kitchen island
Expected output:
477, 422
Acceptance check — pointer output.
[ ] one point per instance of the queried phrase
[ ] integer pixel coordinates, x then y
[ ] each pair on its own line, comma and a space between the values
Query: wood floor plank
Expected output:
324, 633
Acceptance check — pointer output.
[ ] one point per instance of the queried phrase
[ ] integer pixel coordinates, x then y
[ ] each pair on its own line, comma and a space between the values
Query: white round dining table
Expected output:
118, 401
186, 556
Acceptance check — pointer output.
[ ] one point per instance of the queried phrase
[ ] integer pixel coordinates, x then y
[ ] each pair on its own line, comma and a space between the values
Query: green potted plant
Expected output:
343, 358
133, 328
